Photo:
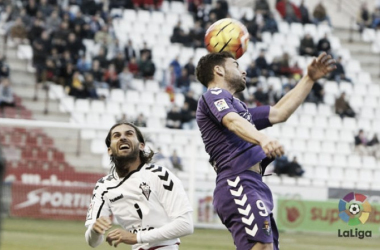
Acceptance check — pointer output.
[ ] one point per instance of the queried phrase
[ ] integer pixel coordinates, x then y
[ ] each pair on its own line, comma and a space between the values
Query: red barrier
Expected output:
50, 202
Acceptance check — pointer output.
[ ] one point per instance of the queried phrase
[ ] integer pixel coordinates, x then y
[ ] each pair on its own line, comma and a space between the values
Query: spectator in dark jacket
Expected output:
289, 11
324, 45
304, 13
342, 107
307, 46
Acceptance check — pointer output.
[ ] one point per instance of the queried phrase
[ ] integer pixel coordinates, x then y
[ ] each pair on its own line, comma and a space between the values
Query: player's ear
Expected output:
218, 69
141, 146
109, 151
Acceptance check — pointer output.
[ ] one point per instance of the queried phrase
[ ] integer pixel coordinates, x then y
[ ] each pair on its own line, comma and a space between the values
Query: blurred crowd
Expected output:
367, 18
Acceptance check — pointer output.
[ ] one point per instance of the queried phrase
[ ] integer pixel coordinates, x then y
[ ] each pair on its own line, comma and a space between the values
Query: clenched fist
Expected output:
271, 147
102, 224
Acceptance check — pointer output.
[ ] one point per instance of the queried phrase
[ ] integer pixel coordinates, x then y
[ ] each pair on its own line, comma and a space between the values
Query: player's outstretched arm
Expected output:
247, 131
317, 69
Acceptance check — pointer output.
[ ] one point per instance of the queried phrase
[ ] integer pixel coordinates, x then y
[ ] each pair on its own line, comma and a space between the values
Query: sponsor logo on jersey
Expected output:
117, 198
221, 105
145, 190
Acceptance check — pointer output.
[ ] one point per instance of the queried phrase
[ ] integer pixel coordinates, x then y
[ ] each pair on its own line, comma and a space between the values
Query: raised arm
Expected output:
318, 68
248, 132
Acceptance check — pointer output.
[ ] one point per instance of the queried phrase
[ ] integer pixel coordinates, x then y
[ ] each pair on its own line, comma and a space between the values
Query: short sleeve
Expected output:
219, 102
260, 116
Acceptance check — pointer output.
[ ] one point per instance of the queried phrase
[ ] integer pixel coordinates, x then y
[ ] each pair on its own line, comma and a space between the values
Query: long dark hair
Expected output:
145, 156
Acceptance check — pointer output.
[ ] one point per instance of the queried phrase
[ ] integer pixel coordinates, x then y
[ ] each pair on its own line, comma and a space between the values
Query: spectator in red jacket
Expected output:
289, 11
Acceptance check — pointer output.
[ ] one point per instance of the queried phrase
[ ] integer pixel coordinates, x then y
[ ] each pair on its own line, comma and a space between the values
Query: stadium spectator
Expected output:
119, 62
101, 57
133, 66
262, 6
96, 71
176, 161
187, 117
339, 74
253, 74
18, 33
342, 107
146, 66
261, 97
4, 70
147, 4
317, 93
31, 8
262, 65
280, 165
289, 11
170, 211
125, 79
174, 118
374, 146
190, 67
220, 10
83, 65
6, 94
110, 76
176, 67
183, 82
123, 118
50, 72
140, 120
103, 36
324, 45
307, 46
197, 34
376, 18
53, 21
270, 24
2, 172
77, 88
320, 14
179, 35
129, 51
41, 47
146, 50
193, 103
90, 86
364, 18
275, 66
305, 18
361, 143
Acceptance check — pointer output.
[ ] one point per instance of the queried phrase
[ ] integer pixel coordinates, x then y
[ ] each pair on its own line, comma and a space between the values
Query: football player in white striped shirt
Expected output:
147, 200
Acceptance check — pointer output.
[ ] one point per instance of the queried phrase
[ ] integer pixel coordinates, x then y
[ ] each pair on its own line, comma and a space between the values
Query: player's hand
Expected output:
102, 224
271, 147
119, 235
321, 66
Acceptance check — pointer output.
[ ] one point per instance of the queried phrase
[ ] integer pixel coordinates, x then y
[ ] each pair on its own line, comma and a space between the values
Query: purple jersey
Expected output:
229, 154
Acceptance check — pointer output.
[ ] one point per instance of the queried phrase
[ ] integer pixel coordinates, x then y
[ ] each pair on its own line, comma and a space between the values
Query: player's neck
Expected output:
127, 168
222, 85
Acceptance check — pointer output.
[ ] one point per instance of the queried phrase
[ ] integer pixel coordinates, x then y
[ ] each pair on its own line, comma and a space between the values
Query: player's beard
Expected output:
122, 162
236, 82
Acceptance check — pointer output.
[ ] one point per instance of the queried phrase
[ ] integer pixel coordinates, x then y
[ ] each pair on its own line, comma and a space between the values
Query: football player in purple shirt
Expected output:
238, 152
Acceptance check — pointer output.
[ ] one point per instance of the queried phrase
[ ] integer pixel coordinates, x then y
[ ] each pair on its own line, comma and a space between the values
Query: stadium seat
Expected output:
364, 123
321, 122
153, 122
66, 104
82, 106
297, 29
329, 99
97, 106
368, 35
335, 122
143, 16
331, 135
350, 174
346, 87
333, 183
313, 146
376, 126
152, 86
56, 92
306, 121
344, 148
283, 27
331, 87
171, 19
339, 161
336, 174
364, 78
354, 161
302, 133
349, 123
143, 109
369, 162
328, 147
321, 173
77, 118
287, 132
179, 99
163, 99
324, 159
92, 119
129, 15
353, 66
298, 146
113, 108
147, 98
371, 102
360, 90
374, 90
311, 29
324, 110
158, 112
132, 97
356, 102
107, 120
346, 136
365, 175
309, 108
335, 43
87, 134
98, 146
310, 159
117, 95
234, 11
317, 134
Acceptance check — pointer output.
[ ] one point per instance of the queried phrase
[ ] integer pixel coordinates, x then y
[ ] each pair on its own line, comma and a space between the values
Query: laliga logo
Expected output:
354, 209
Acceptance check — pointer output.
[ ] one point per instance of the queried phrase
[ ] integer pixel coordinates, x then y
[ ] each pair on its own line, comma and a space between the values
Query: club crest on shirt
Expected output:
221, 105
145, 190
266, 228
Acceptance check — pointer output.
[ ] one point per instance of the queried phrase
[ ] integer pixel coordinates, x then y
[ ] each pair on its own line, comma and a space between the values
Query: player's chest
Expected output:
242, 109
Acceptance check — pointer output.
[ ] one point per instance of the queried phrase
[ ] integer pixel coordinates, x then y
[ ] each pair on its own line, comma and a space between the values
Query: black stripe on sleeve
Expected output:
101, 206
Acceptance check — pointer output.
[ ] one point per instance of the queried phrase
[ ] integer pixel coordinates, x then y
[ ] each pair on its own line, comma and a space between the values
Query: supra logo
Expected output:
54, 199
117, 198
145, 190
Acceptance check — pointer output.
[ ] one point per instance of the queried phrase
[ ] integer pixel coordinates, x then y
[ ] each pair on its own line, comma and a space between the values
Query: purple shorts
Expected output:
244, 204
